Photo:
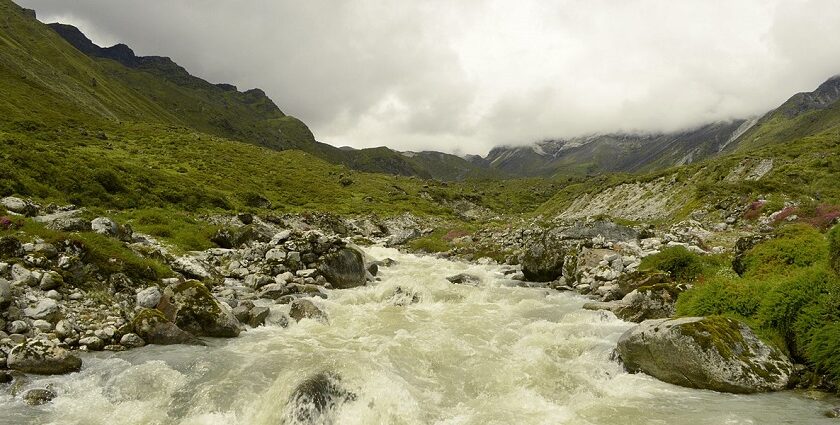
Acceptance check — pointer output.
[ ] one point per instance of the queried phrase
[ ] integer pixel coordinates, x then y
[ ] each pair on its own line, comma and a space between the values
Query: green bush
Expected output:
784, 302
722, 296
822, 350
795, 246
679, 262
834, 248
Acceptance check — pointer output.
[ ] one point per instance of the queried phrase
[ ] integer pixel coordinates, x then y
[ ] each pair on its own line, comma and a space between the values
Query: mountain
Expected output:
616, 152
802, 115
250, 116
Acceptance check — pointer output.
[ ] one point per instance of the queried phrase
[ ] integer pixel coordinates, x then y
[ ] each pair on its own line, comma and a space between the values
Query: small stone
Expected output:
53, 295
92, 343
76, 296
42, 325
132, 340
274, 291
18, 327
307, 273
149, 297
51, 280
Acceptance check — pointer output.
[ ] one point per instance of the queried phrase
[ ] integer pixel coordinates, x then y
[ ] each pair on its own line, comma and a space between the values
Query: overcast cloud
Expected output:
463, 76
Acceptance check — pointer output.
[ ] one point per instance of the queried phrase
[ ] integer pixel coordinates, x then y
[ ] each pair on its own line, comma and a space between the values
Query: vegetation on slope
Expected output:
787, 292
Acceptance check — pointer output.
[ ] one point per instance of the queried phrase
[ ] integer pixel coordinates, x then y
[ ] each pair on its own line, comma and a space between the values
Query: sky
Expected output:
464, 76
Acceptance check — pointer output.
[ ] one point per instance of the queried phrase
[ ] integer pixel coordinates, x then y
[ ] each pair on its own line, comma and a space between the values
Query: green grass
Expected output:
680, 263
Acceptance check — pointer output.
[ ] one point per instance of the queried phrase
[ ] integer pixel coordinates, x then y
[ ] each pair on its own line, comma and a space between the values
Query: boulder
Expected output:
65, 221
258, 315
649, 302
712, 353
38, 396
149, 297
132, 340
198, 312
43, 358
5, 294
274, 291
315, 397
92, 343
21, 276
464, 279
344, 268
151, 326
10, 247
51, 280
19, 206
106, 226
306, 309
542, 261
46, 309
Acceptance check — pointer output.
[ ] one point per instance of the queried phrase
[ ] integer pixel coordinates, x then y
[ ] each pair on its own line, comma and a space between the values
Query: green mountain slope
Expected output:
802, 115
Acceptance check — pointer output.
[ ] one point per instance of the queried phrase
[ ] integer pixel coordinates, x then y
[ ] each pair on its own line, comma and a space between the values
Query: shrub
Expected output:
722, 296
834, 248
783, 303
679, 262
795, 246
822, 350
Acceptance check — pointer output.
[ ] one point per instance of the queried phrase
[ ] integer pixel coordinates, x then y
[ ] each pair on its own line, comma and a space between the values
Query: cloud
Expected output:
465, 76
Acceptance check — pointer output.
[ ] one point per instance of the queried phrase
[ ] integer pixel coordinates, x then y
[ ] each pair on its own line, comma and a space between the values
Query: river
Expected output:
486, 354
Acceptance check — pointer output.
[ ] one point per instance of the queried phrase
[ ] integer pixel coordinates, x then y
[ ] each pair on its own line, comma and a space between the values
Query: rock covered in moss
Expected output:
712, 353
43, 357
649, 302
153, 328
315, 397
344, 268
197, 311
542, 261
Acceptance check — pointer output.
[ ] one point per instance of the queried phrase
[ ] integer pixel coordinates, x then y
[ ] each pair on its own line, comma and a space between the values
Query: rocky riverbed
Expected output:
56, 305
413, 348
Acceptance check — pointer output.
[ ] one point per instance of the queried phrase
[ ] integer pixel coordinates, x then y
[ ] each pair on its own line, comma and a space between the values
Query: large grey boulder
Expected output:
712, 353
344, 268
43, 358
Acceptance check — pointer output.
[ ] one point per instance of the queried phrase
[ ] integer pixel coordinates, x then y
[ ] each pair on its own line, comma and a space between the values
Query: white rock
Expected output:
53, 295
104, 226
275, 254
149, 297
46, 309
42, 325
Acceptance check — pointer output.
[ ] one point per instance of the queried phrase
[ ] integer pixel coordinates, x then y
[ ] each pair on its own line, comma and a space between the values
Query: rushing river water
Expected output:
491, 354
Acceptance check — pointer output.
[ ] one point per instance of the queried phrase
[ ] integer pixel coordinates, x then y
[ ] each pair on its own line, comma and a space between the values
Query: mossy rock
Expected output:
542, 261
43, 358
714, 353
152, 325
197, 311
344, 268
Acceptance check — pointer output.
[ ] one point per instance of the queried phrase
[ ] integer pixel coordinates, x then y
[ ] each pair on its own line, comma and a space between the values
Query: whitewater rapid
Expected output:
434, 353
